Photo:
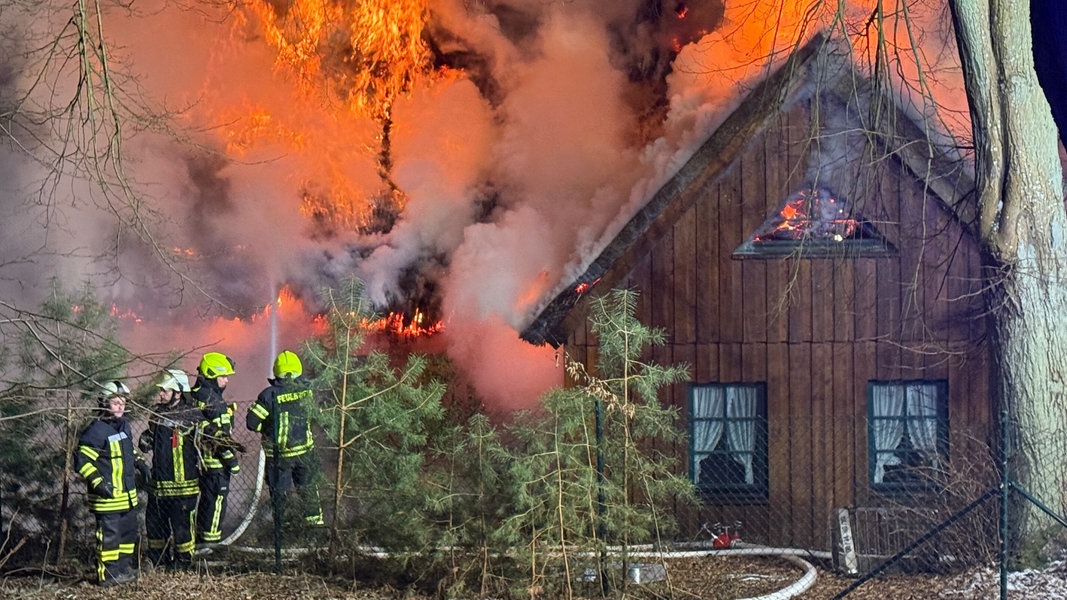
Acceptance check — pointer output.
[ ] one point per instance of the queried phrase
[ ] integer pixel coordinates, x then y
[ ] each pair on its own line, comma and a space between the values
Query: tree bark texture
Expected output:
1021, 226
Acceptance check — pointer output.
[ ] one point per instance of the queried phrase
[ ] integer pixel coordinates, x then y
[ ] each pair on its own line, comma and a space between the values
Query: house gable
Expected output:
818, 70
646, 227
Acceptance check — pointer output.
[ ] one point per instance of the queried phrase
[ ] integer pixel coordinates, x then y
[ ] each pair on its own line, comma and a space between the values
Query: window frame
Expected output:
756, 492
814, 233
940, 418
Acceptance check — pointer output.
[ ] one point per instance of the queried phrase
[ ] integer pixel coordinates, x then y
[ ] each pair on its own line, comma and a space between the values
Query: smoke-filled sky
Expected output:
543, 127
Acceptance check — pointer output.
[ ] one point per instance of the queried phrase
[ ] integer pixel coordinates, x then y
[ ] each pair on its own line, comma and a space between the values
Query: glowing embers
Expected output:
815, 223
585, 286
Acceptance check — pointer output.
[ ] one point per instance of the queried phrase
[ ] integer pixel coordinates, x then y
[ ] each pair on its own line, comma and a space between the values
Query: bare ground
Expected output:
711, 578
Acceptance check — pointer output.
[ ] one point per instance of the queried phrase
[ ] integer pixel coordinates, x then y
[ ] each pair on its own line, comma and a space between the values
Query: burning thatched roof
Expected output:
820, 65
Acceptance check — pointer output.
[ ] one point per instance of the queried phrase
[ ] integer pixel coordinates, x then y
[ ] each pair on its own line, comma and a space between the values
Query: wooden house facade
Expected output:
808, 265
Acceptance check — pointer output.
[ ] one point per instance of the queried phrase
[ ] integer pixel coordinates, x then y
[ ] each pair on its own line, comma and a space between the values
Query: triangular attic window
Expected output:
815, 224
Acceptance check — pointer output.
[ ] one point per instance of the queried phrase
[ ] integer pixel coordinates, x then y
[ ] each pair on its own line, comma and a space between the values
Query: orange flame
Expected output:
401, 326
377, 47
368, 54
813, 214
585, 286
124, 314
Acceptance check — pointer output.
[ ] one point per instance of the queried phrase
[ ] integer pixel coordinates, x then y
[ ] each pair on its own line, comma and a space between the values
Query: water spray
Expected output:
273, 323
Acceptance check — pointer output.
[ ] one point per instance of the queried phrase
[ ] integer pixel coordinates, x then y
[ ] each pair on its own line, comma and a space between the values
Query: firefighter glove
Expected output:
104, 490
144, 475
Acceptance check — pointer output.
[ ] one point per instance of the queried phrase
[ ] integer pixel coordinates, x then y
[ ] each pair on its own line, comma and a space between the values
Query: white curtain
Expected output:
707, 422
922, 424
741, 427
886, 401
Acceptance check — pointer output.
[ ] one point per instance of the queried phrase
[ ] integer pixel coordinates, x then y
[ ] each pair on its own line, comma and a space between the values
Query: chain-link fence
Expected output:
837, 513
949, 513
44, 500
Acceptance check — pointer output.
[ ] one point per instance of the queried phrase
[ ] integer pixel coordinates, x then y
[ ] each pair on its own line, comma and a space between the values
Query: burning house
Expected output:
807, 263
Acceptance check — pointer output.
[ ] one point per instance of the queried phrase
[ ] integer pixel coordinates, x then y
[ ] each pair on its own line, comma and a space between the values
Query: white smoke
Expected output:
515, 175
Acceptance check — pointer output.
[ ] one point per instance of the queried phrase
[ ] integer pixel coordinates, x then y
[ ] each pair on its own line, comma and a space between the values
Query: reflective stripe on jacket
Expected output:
169, 437
106, 454
216, 429
281, 413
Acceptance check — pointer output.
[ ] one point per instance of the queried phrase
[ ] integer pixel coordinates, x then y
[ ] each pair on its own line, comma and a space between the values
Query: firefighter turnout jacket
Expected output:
170, 439
281, 413
216, 429
107, 460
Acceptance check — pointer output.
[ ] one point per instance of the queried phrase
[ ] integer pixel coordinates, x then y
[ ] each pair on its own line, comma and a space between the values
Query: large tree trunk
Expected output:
1022, 227
1030, 332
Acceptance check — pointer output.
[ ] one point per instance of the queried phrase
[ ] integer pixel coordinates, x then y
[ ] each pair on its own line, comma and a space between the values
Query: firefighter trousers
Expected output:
170, 526
214, 490
295, 471
116, 543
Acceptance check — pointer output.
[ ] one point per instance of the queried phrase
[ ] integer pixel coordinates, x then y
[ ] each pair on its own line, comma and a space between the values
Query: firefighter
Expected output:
281, 416
110, 465
218, 461
170, 517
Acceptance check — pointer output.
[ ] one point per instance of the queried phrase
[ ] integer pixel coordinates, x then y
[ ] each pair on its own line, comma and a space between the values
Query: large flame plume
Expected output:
368, 54
372, 52
466, 158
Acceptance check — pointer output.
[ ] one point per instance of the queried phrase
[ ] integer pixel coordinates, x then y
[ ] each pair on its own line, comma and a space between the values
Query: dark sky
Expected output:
1049, 21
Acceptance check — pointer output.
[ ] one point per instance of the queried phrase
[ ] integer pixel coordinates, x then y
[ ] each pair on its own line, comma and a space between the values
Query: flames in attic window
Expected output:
815, 223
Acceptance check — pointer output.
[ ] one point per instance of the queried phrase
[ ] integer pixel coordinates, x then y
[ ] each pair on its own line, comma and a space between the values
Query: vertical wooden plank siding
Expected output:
683, 329
779, 440
800, 482
707, 363
641, 280
754, 363
865, 307
816, 331
779, 186
707, 268
663, 283
732, 285
800, 300
821, 429
864, 370
913, 238
888, 282
799, 284
754, 210
844, 406
730, 363
822, 300
938, 270
843, 313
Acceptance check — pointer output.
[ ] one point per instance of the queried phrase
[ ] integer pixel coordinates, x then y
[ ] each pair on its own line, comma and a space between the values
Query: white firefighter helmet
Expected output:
173, 379
111, 389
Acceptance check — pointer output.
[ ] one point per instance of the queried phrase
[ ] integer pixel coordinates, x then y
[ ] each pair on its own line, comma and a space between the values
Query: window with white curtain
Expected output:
728, 439
907, 433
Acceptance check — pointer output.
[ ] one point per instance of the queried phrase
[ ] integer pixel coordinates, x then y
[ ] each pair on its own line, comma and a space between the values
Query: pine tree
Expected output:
593, 470
63, 352
380, 417
473, 493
